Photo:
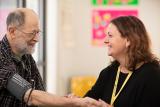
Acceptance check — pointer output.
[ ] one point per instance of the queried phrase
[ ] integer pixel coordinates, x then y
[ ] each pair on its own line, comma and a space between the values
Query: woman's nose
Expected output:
106, 41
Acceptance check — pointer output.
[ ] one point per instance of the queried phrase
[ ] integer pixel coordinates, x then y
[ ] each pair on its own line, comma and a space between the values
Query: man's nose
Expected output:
36, 37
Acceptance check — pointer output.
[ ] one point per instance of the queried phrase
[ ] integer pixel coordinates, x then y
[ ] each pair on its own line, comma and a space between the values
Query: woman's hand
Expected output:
104, 104
89, 102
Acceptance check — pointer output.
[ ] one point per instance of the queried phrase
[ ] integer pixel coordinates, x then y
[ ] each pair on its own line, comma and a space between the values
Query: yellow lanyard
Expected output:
114, 95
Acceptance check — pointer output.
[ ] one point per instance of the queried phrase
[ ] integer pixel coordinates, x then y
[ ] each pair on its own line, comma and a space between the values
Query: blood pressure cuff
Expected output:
18, 86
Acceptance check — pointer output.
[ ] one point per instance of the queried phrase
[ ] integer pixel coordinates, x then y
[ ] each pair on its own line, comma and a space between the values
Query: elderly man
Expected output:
16, 48
20, 81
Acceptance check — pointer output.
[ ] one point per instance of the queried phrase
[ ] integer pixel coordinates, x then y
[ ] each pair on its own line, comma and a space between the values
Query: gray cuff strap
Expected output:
17, 86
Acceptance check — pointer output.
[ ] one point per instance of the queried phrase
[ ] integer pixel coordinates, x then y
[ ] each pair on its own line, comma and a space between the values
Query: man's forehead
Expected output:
24, 10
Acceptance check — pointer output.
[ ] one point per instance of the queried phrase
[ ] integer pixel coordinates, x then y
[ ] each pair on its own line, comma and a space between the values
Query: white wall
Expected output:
51, 43
149, 13
75, 54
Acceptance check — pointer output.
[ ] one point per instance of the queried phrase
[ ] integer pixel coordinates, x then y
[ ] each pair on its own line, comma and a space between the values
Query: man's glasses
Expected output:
34, 33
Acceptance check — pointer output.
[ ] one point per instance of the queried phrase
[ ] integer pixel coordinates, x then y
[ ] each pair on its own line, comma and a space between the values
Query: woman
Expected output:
133, 78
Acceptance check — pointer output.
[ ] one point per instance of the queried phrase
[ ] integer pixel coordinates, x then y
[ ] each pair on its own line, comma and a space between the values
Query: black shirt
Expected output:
141, 90
9, 64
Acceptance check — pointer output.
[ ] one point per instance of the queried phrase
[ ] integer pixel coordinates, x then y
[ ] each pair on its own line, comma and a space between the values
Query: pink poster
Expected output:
100, 20
3, 16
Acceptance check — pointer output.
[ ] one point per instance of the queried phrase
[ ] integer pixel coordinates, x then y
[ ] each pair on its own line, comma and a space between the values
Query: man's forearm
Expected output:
41, 98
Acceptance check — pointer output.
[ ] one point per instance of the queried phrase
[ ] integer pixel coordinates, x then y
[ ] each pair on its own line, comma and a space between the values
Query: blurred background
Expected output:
71, 53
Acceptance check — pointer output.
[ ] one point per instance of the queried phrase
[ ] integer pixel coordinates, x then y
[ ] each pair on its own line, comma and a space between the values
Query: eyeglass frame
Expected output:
30, 33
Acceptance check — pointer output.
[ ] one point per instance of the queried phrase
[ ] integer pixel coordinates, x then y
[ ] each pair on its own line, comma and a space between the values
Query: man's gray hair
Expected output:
16, 18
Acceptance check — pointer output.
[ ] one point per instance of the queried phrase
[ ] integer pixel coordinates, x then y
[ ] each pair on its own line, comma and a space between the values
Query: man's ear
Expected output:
12, 31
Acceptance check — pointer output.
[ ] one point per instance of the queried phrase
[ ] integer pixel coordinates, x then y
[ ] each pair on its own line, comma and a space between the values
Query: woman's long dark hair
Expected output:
134, 30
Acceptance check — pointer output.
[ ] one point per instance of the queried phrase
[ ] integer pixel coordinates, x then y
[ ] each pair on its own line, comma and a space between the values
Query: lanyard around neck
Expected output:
114, 95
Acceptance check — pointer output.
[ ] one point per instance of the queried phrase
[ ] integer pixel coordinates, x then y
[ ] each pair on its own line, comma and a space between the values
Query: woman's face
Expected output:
117, 45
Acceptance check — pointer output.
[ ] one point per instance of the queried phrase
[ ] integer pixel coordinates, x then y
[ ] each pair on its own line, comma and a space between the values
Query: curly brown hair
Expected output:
134, 30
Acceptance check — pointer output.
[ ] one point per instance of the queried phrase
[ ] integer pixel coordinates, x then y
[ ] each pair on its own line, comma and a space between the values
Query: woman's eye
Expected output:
110, 36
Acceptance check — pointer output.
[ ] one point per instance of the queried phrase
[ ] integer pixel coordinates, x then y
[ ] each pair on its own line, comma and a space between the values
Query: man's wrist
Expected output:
27, 95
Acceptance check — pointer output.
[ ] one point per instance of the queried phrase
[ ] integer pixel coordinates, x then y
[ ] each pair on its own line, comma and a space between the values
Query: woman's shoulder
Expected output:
151, 67
149, 70
151, 77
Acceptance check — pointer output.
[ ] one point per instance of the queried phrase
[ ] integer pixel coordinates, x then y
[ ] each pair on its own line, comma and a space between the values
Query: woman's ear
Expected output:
127, 43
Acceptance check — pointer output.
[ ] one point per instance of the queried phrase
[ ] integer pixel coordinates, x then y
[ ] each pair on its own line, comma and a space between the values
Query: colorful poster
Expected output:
114, 2
100, 20
3, 16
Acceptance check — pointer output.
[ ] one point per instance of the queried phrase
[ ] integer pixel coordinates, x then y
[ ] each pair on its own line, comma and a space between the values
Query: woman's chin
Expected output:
109, 54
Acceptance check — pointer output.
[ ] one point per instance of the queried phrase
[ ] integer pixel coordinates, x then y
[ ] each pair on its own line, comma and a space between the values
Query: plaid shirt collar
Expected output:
7, 51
